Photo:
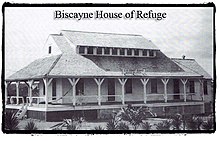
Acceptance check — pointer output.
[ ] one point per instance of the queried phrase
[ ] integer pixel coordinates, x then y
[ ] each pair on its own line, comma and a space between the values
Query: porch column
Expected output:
73, 82
47, 82
122, 82
99, 82
184, 81
30, 83
201, 88
6, 91
17, 92
165, 81
144, 82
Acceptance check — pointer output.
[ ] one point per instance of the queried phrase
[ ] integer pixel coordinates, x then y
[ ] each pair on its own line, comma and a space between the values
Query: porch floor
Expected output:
108, 105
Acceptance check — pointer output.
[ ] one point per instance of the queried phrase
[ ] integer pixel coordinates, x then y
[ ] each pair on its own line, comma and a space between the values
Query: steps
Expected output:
21, 112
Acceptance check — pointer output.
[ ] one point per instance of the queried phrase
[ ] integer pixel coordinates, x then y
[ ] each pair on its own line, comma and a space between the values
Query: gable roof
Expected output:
190, 65
108, 40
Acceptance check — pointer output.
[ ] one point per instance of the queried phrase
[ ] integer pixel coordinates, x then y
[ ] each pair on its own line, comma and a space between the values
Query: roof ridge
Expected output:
189, 68
102, 33
181, 59
53, 65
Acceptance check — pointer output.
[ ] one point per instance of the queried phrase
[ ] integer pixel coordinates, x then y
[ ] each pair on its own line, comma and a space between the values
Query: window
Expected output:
153, 85
107, 51
122, 52
49, 51
129, 52
80, 87
144, 52
81, 50
136, 52
128, 86
99, 50
114, 51
205, 89
151, 53
90, 50
191, 87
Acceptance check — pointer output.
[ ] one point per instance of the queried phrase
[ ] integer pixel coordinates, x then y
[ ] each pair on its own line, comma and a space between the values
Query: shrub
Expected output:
194, 122
11, 122
30, 126
164, 125
122, 126
69, 124
208, 125
177, 122
99, 128
146, 126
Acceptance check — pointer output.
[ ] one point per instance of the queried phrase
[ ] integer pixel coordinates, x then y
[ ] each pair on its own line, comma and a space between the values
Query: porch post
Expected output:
165, 81
99, 82
30, 83
122, 82
144, 82
46, 84
6, 92
201, 89
17, 92
73, 82
184, 81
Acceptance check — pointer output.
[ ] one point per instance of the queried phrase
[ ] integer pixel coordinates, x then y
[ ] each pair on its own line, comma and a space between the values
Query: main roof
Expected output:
71, 64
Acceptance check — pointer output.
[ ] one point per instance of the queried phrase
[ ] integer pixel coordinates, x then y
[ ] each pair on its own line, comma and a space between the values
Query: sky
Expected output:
185, 31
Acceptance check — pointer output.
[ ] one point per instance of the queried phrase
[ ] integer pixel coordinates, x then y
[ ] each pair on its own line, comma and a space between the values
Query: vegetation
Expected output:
31, 126
11, 121
99, 128
208, 125
69, 124
146, 126
177, 122
164, 125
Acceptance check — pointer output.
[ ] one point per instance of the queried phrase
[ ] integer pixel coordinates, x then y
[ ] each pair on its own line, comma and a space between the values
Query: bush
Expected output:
146, 126
164, 125
208, 125
11, 122
31, 126
123, 126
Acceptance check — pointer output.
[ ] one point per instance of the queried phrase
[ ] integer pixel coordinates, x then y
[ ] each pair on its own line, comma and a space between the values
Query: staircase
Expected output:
21, 112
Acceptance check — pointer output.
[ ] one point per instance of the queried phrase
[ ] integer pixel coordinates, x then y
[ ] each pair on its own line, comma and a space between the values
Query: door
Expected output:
176, 88
54, 89
111, 89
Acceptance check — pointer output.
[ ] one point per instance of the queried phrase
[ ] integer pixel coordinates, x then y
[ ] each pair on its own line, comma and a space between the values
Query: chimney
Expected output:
183, 56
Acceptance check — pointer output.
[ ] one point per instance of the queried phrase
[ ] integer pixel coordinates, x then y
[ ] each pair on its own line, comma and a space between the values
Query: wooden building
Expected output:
95, 72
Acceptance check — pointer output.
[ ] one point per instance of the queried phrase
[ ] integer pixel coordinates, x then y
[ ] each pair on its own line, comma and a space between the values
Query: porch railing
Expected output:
17, 99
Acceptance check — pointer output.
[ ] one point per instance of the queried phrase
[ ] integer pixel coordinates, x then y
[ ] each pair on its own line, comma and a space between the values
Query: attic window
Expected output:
151, 53
49, 51
129, 52
82, 50
114, 51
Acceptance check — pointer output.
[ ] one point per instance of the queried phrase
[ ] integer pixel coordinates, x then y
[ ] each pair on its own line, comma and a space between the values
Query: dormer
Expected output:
115, 51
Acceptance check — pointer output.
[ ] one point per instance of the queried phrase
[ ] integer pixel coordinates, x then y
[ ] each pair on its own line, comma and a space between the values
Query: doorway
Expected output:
111, 89
176, 88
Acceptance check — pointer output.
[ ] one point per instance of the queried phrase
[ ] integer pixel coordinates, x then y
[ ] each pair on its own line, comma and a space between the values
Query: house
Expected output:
97, 72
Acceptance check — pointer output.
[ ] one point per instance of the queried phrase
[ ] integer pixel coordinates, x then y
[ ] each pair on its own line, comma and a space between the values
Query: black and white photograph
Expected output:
105, 68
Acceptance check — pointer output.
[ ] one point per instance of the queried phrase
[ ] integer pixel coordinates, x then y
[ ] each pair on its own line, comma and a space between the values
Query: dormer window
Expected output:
151, 53
122, 52
90, 50
136, 52
99, 50
49, 50
107, 51
144, 52
114, 51
129, 52
82, 50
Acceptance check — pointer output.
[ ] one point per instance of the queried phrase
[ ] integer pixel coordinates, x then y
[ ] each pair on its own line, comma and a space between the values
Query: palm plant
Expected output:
208, 125
112, 124
99, 128
134, 116
177, 122
30, 126
146, 126
11, 121
164, 125
122, 126
69, 124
